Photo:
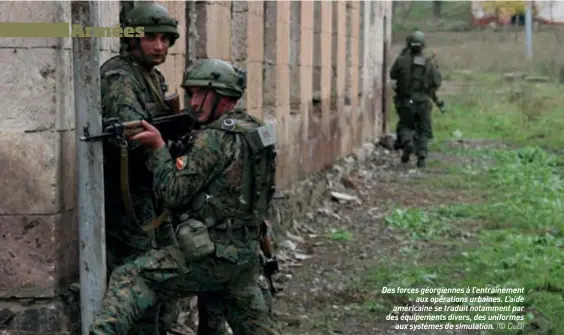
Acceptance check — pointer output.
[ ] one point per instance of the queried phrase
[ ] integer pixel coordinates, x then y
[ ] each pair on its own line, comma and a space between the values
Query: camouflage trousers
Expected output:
212, 310
414, 128
163, 274
159, 318
397, 144
211, 307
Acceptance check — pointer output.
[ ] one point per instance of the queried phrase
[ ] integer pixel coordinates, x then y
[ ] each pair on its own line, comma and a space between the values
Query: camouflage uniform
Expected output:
417, 78
397, 143
212, 309
217, 194
132, 91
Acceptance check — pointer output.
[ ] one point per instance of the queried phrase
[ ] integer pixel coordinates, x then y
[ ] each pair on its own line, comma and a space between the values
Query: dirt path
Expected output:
327, 293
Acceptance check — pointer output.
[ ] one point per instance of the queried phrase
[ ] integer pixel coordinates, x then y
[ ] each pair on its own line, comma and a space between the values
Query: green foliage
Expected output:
519, 235
488, 108
340, 235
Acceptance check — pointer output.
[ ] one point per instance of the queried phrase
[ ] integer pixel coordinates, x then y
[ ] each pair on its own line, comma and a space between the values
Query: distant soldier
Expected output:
417, 80
403, 51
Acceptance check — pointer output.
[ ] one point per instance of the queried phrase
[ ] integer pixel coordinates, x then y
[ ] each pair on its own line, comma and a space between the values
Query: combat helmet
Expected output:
410, 36
217, 74
153, 18
416, 39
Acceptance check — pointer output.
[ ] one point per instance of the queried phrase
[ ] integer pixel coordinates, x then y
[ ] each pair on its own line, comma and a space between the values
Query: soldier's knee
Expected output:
124, 271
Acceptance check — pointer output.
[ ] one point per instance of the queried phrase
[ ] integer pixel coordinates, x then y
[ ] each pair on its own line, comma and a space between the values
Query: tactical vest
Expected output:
154, 89
257, 146
419, 83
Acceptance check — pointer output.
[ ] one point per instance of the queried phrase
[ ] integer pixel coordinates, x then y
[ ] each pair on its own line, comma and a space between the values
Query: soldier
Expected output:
132, 88
397, 143
211, 306
218, 194
417, 80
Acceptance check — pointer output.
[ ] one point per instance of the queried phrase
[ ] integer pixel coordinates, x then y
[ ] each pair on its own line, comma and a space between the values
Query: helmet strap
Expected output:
214, 108
202, 104
213, 113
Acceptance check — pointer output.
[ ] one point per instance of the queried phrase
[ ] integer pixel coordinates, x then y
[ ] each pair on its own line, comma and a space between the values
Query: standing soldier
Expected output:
218, 194
417, 80
397, 144
132, 88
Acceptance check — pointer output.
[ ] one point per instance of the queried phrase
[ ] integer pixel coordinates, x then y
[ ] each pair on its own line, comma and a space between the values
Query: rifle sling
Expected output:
156, 93
124, 181
156, 222
126, 197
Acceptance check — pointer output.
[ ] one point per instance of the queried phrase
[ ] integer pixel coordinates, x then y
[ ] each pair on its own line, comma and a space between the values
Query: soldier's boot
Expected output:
406, 153
397, 145
421, 162
405, 156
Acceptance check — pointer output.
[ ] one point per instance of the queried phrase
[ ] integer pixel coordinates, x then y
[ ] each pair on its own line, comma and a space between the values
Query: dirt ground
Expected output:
322, 293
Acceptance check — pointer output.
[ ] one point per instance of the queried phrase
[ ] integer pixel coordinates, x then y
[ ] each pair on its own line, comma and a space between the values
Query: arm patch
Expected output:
419, 60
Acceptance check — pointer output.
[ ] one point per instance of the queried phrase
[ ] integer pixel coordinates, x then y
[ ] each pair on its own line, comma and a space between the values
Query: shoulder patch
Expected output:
419, 60
267, 134
181, 162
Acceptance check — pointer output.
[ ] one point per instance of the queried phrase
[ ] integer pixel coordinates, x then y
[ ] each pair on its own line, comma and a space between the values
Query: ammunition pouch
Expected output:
193, 239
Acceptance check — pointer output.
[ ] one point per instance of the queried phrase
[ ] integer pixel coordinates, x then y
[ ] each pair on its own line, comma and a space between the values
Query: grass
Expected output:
518, 237
411, 14
489, 107
522, 114
514, 238
340, 235
459, 45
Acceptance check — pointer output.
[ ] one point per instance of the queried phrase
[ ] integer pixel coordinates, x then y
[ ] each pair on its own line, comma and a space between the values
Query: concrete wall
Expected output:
314, 68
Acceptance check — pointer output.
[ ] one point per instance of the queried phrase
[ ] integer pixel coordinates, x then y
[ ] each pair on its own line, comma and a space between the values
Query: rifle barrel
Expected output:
96, 137
177, 123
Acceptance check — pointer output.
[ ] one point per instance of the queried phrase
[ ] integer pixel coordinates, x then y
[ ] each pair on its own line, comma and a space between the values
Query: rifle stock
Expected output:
270, 262
440, 104
173, 101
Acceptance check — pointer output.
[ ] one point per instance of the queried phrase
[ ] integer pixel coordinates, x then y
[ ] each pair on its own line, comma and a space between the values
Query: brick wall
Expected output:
314, 68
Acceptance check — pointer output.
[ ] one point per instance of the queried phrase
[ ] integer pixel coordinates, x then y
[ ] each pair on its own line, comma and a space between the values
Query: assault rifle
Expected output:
172, 127
269, 262
440, 104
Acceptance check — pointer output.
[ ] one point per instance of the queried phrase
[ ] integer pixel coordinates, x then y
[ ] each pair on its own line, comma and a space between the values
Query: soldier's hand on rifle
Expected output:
150, 137
441, 105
